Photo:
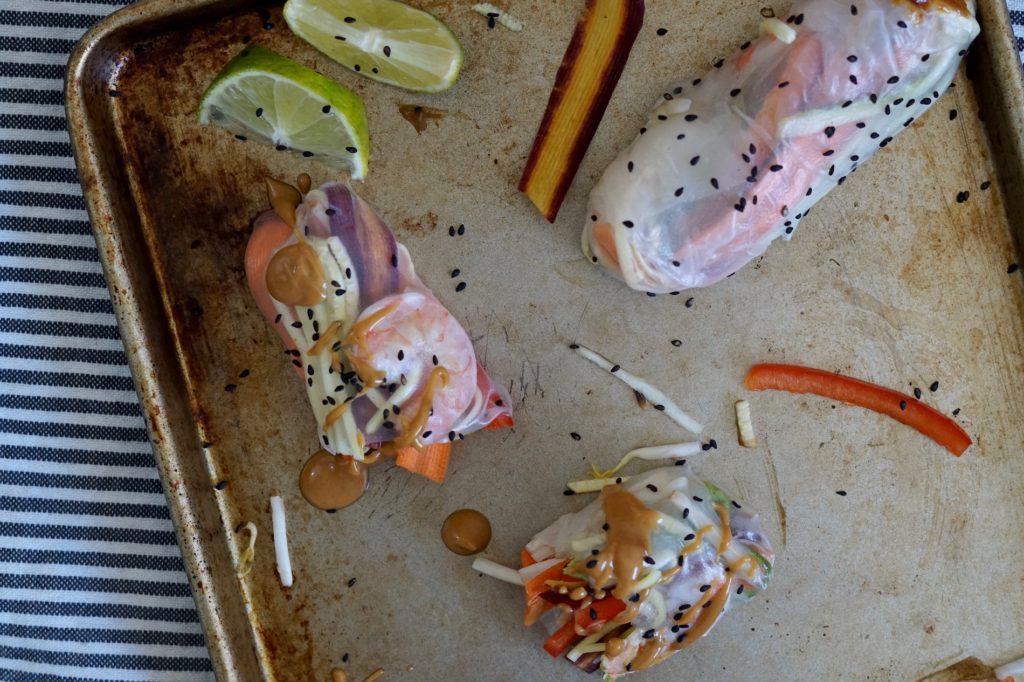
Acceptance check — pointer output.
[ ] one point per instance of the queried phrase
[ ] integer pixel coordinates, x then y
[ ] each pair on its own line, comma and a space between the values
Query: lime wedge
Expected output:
262, 94
385, 40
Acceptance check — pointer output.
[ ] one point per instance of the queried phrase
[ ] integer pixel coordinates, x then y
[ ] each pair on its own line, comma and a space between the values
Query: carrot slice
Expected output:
525, 558
586, 79
595, 616
430, 462
503, 421
560, 642
903, 408
538, 585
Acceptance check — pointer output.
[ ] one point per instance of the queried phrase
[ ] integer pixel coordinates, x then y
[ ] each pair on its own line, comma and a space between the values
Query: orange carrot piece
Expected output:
903, 408
525, 558
560, 642
431, 462
502, 421
537, 586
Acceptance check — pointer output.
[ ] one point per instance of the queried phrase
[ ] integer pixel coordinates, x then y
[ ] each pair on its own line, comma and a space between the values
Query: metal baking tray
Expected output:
891, 279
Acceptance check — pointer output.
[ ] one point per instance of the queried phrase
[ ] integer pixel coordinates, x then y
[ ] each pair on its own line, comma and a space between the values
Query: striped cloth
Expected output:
91, 581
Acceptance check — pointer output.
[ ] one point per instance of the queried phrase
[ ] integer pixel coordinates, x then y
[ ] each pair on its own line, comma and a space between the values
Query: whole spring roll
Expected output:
386, 367
643, 572
736, 158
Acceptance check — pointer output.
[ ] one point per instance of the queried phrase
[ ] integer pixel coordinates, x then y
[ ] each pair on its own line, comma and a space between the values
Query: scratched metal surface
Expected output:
890, 279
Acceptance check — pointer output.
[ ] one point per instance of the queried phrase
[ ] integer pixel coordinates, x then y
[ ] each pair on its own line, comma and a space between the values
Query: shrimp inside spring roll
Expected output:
735, 158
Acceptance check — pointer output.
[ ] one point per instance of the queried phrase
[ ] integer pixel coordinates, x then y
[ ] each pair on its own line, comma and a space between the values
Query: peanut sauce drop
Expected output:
332, 481
630, 523
295, 275
466, 532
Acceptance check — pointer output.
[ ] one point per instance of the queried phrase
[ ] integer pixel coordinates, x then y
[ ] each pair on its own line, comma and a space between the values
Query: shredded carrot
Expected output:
525, 558
431, 462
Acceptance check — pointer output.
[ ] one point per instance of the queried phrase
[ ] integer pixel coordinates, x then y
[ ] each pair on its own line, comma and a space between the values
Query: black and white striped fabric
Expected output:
91, 581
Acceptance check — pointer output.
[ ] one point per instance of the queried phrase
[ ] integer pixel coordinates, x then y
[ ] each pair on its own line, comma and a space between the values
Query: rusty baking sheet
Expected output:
891, 279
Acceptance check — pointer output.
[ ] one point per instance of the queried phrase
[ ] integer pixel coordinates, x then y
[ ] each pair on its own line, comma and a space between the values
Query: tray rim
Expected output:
232, 645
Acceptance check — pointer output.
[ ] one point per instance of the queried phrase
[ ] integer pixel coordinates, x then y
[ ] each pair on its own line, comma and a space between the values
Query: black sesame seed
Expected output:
649, 561
893, 80
627, 223
952, 114
634, 598
874, 136
705, 588
783, 84
828, 152
296, 325
775, 168
679, 192
259, 112
680, 638
917, 393
677, 343
220, 485
614, 369
696, 81
853, 79
714, 182
629, 166
676, 263
847, 103
698, 499
648, 634
925, 57
689, 537
956, 411
1012, 268
575, 436
307, 154
653, 488
690, 118
351, 150
901, 23
695, 160
985, 185
734, 92
719, 63
460, 286
661, 31
853, 10
739, 590
799, 19
605, 527
961, 197
451, 230
903, 404
243, 138
462, 230
357, 68
861, 125
281, 147
852, 58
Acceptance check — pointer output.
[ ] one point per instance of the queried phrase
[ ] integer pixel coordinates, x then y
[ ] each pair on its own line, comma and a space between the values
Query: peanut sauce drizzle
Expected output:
295, 275
412, 429
629, 525
723, 518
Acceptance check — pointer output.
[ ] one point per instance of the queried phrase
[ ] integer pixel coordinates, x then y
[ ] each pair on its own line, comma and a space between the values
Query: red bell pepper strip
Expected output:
598, 614
903, 408
563, 640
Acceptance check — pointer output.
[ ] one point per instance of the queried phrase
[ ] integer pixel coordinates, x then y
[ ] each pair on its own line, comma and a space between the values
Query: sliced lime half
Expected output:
262, 94
385, 40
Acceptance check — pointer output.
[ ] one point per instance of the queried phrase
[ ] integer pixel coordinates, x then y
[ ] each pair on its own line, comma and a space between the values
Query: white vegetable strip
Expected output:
280, 531
496, 570
504, 18
656, 452
779, 29
528, 573
745, 425
594, 485
659, 399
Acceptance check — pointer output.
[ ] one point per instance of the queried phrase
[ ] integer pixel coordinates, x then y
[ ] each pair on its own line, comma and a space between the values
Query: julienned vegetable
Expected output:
586, 79
901, 407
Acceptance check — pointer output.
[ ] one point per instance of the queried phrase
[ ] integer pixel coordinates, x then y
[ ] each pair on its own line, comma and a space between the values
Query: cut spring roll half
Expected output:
736, 158
644, 571
386, 366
